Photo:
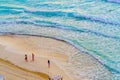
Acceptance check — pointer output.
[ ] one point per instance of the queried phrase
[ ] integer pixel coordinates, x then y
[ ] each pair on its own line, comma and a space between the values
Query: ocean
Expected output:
93, 26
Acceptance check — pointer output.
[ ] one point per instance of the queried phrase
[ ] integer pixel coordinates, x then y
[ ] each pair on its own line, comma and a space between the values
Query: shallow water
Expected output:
91, 25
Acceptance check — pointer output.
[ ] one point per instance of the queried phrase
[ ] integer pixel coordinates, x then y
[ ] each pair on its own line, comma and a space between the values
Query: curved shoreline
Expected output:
57, 59
6, 39
68, 42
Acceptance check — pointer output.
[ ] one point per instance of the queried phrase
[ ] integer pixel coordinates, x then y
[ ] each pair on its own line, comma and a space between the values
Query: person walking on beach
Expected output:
33, 57
26, 58
48, 63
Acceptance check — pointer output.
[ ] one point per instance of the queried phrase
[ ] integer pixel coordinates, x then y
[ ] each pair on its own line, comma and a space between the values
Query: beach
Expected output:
14, 48
14, 67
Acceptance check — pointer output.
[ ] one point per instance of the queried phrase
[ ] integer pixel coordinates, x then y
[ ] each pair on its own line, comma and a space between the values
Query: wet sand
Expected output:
14, 47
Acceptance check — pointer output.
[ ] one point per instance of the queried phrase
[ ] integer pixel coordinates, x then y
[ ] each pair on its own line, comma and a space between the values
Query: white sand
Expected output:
14, 47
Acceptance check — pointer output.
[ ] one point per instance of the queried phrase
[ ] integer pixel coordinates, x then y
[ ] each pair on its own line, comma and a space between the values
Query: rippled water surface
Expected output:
91, 25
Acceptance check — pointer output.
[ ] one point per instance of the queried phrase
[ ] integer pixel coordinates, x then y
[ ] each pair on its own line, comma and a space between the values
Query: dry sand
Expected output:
65, 59
14, 47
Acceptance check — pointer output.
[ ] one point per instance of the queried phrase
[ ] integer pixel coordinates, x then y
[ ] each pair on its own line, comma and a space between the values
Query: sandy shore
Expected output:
13, 72
14, 47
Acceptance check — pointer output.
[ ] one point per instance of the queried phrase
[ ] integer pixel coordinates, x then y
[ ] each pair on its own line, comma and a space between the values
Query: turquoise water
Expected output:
91, 25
